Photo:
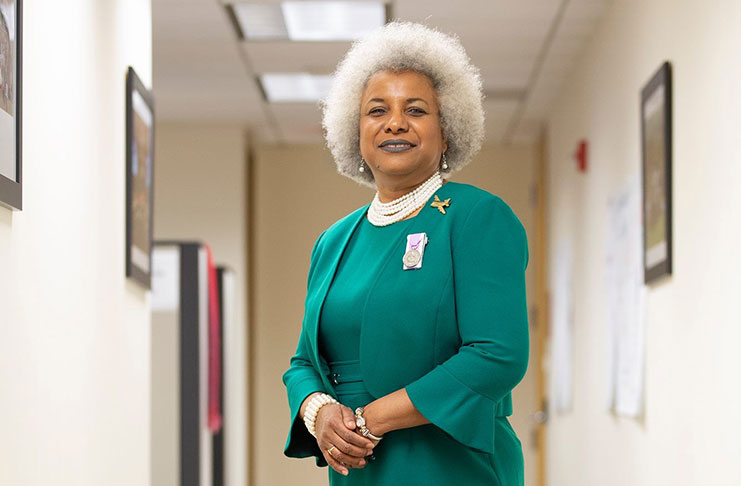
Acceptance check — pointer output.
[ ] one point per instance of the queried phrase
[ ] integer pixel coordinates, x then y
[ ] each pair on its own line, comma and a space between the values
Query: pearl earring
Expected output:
445, 162
362, 167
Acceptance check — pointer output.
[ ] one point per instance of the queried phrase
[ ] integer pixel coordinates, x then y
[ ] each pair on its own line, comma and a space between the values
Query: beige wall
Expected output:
687, 436
200, 191
74, 332
200, 195
297, 194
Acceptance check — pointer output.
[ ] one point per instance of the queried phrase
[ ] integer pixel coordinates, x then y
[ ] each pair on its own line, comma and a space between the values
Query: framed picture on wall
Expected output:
139, 179
656, 142
10, 104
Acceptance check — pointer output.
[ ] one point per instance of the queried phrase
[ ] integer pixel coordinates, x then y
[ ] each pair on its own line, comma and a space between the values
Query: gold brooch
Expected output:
437, 203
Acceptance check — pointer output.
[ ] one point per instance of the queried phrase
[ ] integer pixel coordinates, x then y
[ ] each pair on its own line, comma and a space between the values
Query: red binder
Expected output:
214, 347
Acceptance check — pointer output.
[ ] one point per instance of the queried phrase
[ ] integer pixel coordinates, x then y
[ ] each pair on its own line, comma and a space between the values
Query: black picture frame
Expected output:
11, 188
139, 180
656, 154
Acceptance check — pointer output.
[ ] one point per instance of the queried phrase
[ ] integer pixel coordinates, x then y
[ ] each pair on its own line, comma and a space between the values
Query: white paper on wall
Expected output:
563, 327
626, 303
165, 279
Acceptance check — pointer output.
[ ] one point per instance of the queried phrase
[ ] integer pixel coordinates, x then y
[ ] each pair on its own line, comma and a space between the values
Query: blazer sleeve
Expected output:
301, 380
460, 395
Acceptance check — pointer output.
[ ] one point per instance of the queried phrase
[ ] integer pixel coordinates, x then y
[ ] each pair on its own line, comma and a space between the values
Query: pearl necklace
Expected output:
383, 214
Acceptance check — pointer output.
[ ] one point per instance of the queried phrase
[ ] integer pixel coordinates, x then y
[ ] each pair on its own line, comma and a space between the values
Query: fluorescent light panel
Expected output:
295, 87
310, 20
328, 21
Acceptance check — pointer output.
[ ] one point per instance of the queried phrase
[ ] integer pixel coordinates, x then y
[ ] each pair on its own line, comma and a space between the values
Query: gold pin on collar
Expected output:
437, 203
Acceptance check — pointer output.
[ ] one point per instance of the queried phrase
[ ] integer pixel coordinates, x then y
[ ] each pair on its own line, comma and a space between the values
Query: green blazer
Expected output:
454, 333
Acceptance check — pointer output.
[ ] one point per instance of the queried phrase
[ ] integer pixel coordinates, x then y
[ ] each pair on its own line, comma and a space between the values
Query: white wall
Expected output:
200, 195
74, 333
689, 434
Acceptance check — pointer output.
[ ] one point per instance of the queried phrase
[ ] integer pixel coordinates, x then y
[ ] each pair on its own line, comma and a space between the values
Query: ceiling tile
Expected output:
286, 56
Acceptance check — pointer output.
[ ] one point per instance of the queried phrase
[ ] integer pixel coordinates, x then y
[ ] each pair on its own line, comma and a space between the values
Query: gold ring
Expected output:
329, 451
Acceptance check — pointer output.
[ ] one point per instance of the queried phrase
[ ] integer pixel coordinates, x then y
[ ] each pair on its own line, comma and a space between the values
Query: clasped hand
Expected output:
336, 432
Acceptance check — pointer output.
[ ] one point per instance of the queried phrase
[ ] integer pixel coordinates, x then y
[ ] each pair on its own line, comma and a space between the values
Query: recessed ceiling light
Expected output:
327, 21
309, 20
295, 87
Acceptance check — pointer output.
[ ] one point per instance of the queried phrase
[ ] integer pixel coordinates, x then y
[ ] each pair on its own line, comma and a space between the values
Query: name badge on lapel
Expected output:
415, 250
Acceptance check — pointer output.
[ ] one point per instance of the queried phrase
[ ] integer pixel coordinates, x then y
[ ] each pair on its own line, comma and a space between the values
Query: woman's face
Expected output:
400, 135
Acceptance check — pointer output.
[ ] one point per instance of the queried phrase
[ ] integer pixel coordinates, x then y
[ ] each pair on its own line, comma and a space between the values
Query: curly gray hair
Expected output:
396, 47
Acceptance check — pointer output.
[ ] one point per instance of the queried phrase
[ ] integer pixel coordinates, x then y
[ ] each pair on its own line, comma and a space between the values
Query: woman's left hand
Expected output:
372, 422
391, 412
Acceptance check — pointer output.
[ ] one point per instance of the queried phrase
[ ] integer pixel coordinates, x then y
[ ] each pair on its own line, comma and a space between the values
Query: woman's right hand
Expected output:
335, 426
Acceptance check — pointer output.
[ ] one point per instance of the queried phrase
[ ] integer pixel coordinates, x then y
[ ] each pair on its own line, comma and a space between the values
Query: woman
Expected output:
415, 327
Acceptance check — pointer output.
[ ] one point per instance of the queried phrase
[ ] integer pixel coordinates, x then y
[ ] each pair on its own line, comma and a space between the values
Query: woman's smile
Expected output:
396, 145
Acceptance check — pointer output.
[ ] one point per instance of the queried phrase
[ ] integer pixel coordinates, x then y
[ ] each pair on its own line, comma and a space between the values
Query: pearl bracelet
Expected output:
312, 410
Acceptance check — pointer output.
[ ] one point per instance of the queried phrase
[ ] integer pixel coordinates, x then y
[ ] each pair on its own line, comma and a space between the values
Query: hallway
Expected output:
600, 117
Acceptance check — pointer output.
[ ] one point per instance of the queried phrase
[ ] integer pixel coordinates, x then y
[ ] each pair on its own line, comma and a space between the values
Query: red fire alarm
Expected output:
581, 156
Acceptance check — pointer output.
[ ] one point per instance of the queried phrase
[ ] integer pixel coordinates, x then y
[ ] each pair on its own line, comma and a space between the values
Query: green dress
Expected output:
427, 454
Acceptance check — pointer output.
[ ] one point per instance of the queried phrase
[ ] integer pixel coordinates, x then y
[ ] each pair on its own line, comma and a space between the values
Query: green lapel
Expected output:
335, 242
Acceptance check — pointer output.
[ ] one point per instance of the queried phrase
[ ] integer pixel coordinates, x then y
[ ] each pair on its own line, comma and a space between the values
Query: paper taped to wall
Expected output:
563, 327
626, 303
165, 279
